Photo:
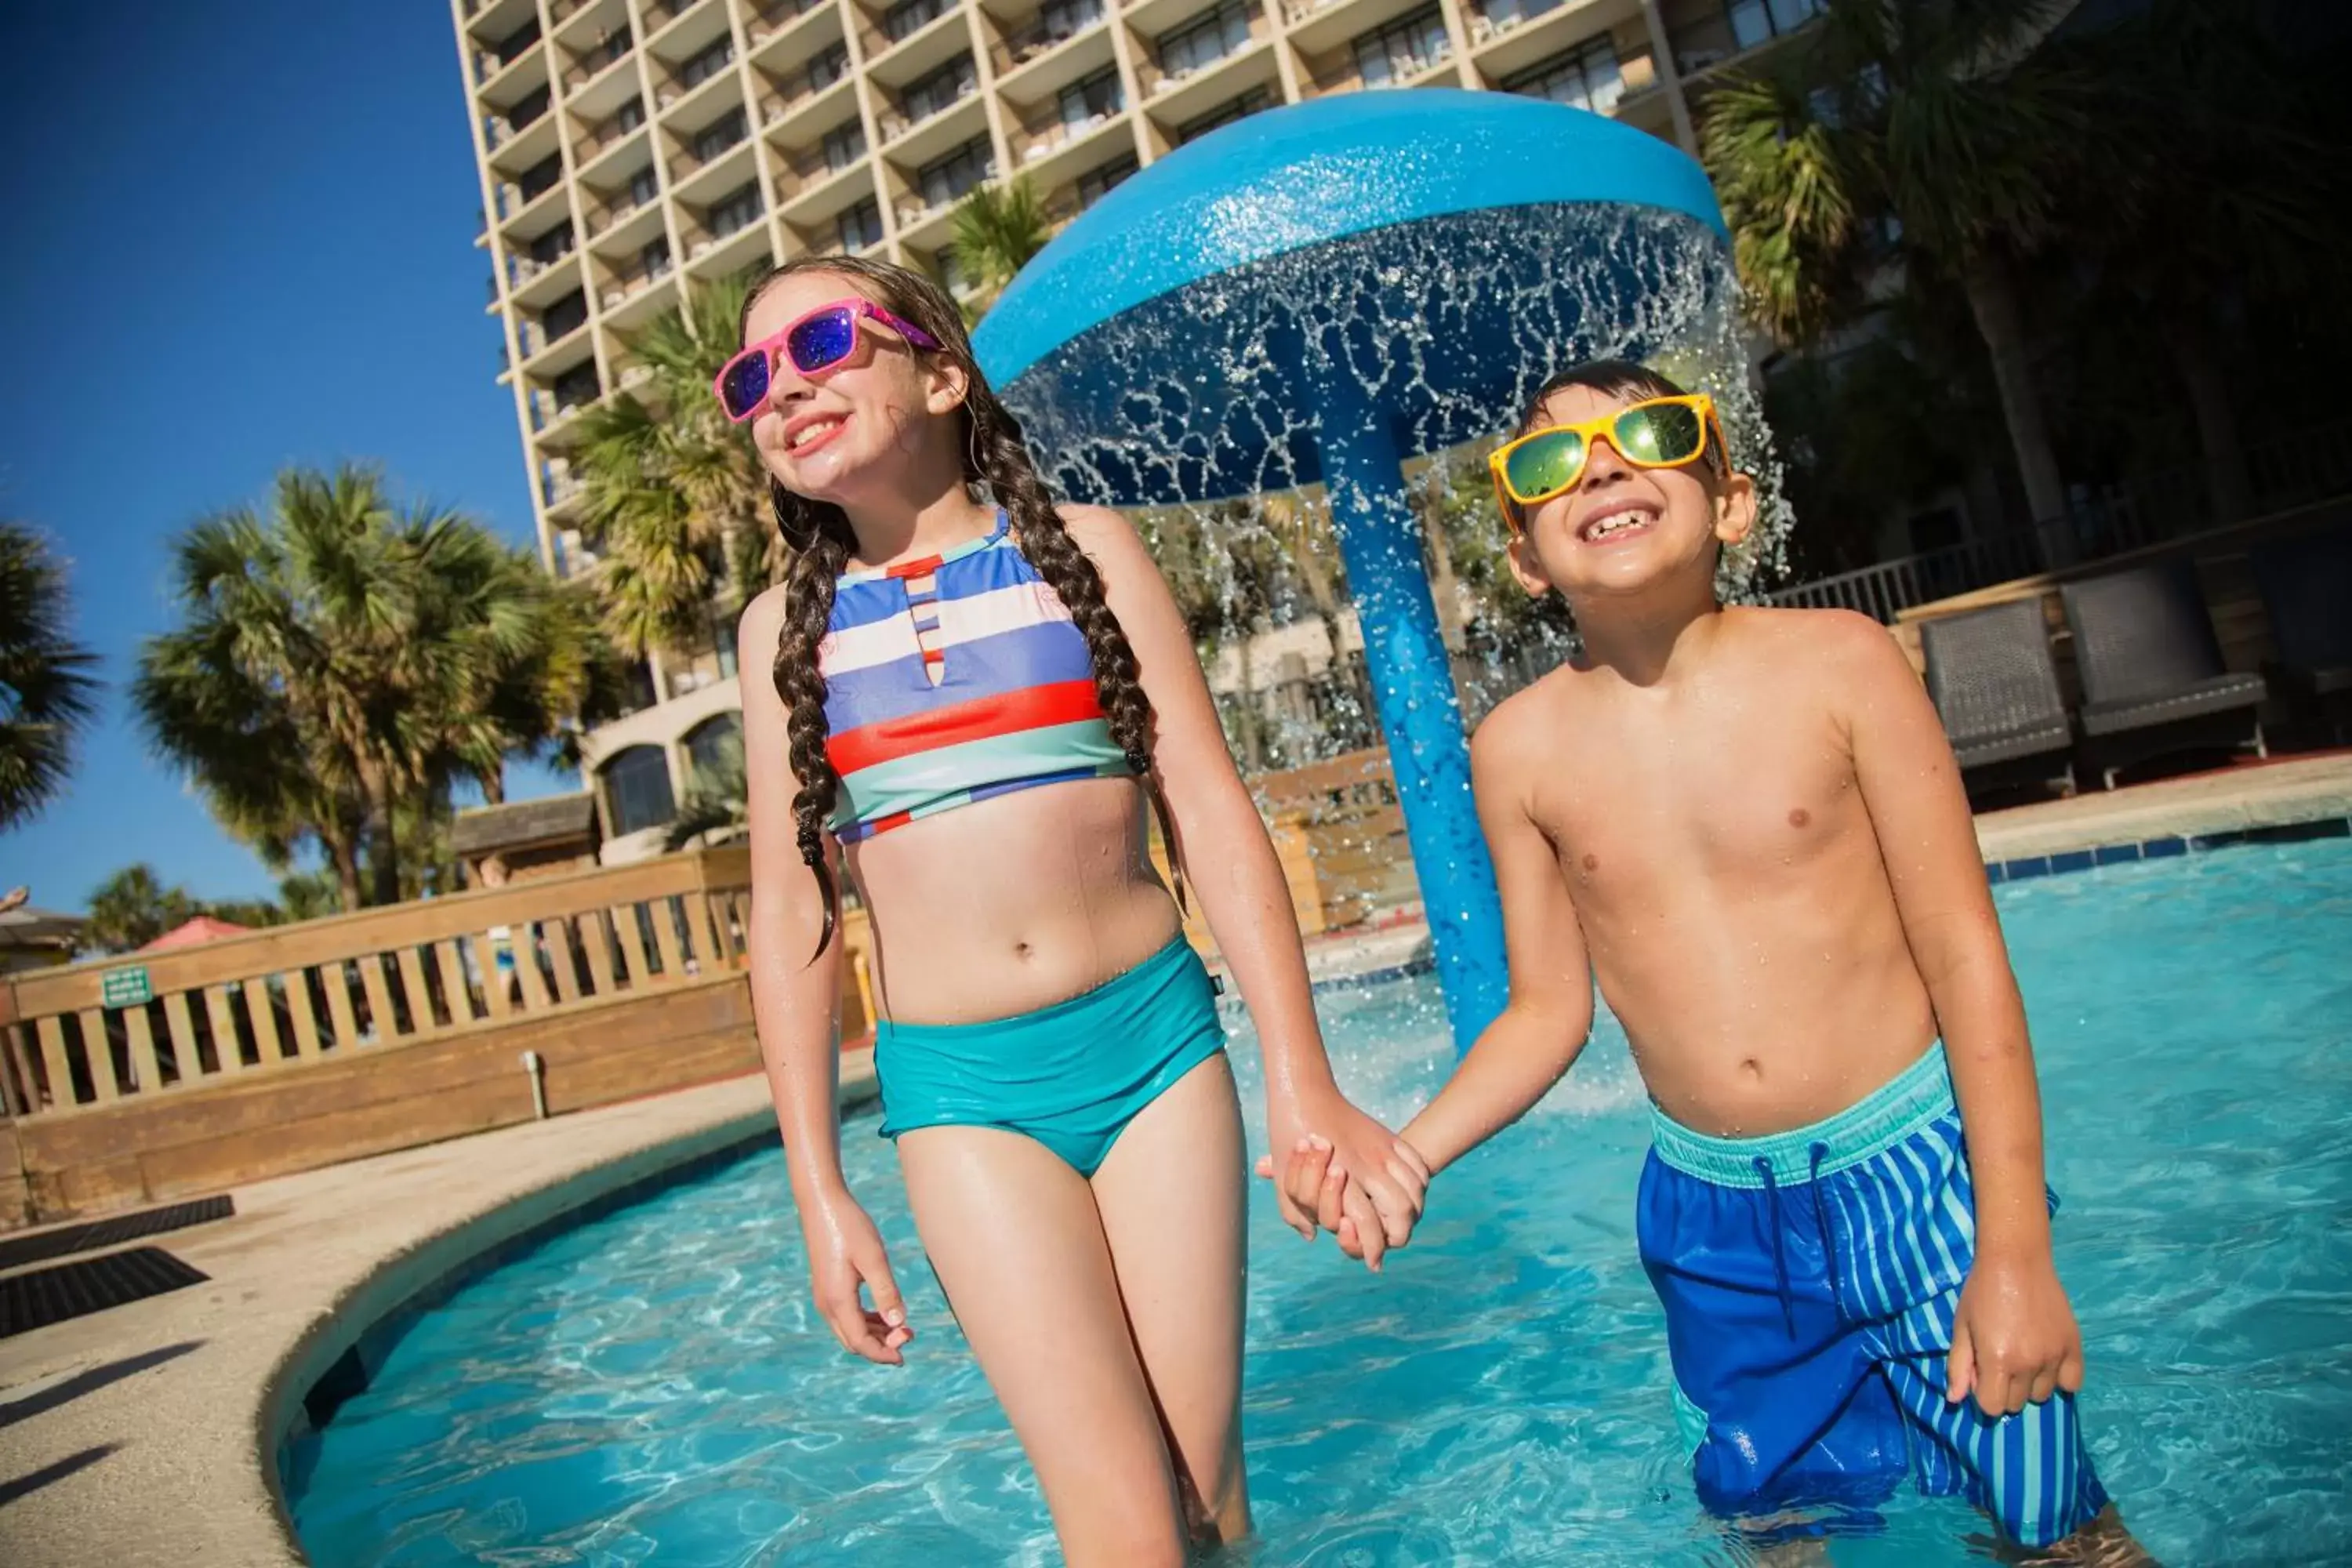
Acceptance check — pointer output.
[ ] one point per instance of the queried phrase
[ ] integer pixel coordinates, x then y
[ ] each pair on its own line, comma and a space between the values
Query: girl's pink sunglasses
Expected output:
821, 338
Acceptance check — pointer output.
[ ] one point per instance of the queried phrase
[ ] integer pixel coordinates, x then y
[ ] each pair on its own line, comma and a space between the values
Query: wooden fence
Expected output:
1346, 810
144, 1077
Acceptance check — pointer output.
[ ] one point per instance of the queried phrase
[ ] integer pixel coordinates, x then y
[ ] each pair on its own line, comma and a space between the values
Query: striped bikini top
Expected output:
952, 678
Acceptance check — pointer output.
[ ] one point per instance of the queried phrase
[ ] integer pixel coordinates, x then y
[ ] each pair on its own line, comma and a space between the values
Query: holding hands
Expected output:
1344, 1172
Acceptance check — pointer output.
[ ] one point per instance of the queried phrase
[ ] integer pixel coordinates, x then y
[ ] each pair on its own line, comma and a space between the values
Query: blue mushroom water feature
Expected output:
1314, 295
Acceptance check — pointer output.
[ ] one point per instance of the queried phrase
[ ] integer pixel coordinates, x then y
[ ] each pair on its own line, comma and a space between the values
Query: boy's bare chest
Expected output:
1733, 789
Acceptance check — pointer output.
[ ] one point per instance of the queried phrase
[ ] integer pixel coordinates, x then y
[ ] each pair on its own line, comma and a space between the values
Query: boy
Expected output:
1748, 826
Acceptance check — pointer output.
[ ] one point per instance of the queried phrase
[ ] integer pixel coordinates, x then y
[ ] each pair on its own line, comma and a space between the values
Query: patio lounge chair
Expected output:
2306, 587
2153, 682
1989, 674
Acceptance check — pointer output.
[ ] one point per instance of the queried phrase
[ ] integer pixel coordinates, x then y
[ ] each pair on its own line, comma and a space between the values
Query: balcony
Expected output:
791, 95
602, 139
1200, 80
599, 59
805, 173
600, 216
559, 485
633, 297
1042, 36
769, 21
1744, 28
662, 13
898, 116
913, 38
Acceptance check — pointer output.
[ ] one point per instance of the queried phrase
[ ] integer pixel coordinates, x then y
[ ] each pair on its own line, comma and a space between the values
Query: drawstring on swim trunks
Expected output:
1822, 1223
1821, 1226
1779, 1259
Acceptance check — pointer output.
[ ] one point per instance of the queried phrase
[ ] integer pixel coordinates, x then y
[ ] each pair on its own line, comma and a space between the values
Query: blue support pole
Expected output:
1412, 690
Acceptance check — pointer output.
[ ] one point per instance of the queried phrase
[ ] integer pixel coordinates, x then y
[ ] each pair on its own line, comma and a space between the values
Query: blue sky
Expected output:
244, 240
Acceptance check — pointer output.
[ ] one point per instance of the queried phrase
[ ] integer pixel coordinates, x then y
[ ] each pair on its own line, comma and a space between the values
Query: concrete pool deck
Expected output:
146, 1433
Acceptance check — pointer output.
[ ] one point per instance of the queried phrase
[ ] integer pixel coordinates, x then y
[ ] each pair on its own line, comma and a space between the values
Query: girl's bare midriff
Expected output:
1008, 905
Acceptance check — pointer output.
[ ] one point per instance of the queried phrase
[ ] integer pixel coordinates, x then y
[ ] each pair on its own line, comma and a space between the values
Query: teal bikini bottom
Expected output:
1071, 1076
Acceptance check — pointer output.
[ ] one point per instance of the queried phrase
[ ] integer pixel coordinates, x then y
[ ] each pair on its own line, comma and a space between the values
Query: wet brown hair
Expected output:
822, 542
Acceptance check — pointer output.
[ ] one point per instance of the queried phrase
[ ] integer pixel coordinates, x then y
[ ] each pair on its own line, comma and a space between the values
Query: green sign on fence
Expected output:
124, 988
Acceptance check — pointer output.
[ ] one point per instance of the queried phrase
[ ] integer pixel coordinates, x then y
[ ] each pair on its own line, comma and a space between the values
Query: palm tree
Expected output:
676, 503
1946, 131
342, 662
999, 228
46, 694
132, 907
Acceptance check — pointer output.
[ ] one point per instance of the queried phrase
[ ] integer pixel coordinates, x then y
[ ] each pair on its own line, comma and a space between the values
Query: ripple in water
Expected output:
655, 1388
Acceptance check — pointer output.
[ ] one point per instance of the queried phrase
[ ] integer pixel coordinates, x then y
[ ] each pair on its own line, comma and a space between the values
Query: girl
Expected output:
972, 704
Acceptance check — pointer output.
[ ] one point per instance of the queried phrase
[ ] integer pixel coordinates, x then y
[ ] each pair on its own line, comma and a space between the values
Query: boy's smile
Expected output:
1613, 523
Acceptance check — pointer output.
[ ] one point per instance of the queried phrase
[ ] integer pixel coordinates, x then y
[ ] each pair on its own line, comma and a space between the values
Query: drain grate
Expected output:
112, 1232
48, 1296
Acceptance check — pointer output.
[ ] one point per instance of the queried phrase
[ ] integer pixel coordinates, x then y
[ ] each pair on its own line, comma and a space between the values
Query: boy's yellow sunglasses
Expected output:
1657, 433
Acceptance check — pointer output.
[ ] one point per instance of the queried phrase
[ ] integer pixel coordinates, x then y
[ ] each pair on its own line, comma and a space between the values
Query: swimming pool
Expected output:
654, 1387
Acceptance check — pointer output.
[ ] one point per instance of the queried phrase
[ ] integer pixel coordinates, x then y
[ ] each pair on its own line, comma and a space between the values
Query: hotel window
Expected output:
1094, 96
860, 226
1755, 21
553, 246
637, 784
950, 178
707, 64
738, 210
928, 95
843, 145
829, 67
1585, 76
1405, 48
1206, 41
908, 17
729, 130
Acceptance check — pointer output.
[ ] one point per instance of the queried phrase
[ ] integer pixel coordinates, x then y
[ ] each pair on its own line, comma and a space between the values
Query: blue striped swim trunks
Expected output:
1809, 1279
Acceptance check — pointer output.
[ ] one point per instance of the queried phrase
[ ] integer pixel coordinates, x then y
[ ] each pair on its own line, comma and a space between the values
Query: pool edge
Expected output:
465, 1245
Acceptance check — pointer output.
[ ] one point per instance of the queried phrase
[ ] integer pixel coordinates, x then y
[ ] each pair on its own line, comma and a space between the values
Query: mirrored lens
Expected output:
746, 385
1663, 433
1543, 466
822, 340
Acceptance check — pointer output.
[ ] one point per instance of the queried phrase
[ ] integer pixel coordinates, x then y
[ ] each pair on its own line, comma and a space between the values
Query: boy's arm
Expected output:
2014, 1338
1523, 1052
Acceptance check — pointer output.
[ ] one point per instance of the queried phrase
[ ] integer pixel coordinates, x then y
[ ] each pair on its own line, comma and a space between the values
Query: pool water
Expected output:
654, 1387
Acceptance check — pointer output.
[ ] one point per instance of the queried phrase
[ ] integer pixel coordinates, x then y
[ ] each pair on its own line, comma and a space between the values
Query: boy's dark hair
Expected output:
1609, 378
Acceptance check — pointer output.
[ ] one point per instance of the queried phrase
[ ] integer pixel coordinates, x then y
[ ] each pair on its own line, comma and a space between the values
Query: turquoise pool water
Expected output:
653, 1387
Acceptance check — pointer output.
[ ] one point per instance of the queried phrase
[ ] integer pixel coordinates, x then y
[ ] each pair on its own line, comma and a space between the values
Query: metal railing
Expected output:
2308, 466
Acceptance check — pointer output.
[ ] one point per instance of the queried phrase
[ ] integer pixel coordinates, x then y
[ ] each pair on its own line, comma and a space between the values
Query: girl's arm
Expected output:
1231, 865
796, 1006
2014, 1338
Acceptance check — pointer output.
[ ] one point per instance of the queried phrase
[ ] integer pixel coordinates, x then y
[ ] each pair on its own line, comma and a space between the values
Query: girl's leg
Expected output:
1172, 1195
1019, 1246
